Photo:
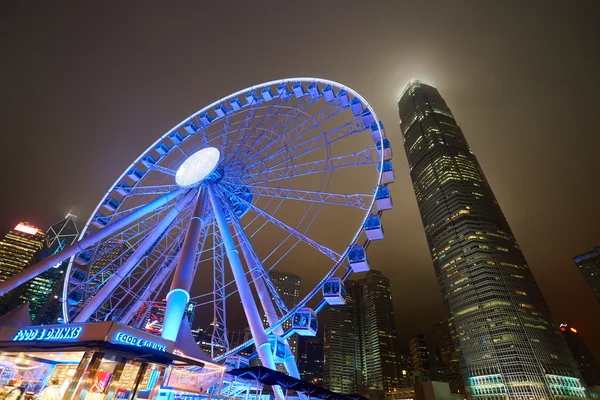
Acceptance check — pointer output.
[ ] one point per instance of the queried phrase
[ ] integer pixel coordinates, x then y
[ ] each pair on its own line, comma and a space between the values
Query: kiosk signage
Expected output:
41, 333
139, 342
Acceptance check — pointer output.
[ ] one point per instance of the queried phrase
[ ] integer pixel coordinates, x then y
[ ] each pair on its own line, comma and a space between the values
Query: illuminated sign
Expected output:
26, 229
47, 334
139, 342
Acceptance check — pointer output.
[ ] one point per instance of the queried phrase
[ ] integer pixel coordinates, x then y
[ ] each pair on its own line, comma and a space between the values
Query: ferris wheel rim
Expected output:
342, 257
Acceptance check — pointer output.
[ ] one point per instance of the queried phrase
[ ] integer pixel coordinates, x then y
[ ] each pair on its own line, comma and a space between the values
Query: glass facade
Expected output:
23, 246
288, 288
448, 358
506, 342
378, 338
419, 358
589, 266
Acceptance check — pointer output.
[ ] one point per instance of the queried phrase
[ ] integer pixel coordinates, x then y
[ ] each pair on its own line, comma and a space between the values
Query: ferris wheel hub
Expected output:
197, 167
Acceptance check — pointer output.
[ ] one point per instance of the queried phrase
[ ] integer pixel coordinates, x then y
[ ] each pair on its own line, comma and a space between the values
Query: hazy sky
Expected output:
85, 89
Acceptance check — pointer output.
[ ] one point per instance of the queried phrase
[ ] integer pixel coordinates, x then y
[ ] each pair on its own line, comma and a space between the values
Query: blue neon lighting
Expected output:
47, 334
139, 342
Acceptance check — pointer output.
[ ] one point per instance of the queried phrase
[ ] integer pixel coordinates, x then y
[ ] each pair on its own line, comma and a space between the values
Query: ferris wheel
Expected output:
290, 174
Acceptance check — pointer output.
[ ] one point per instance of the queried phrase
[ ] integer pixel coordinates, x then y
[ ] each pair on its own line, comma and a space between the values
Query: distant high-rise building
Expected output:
342, 367
237, 338
420, 359
60, 235
507, 344
448, 358
288, 288
589, 266
582, 355
154, 318
310, 363
377, 325
23, 246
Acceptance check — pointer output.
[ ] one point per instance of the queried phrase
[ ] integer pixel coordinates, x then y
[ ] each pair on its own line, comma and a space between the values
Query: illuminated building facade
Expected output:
154, 318
60, 235
581, 354
23, 246
378, 338
310, 363
420, 358
288, 287
342, 366
589, 266
448, 358
506, 342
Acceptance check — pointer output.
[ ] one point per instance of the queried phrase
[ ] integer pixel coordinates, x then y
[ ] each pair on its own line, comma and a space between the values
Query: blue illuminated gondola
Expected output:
375, 131
162, 149
357, 257
278, 348
77, 276
298, 90
334, 291
111, 204
135, 174
387, 175
373, 227
304, 322
190, 127
74, 297
387, 150
83, 258
383, 198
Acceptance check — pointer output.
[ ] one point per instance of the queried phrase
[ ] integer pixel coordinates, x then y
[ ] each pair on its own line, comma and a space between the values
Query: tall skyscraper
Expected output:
448, 358
288, 287
310, 363
23, 246
342, 368
589, 266
377, 324
506, 342
420, 358
60, 235
581, 354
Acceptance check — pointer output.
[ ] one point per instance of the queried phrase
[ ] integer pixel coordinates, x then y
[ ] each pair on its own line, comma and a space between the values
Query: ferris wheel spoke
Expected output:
363, 157
263, 125
164, 170
287, 154
148, 190
300, 236
264, 141
360, 201
95, 302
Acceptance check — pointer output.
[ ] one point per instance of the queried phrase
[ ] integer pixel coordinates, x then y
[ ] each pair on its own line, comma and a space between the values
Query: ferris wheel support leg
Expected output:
81, 245
124, 270
263, 347
265, 298
179, 294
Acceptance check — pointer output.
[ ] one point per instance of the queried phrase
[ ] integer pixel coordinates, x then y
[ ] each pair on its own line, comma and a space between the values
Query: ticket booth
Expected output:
100, 361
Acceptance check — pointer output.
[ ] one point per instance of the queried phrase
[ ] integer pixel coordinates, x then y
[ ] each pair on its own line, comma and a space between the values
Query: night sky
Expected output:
84, 90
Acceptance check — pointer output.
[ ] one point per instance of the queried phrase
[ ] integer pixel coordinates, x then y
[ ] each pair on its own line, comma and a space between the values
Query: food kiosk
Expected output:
104, 361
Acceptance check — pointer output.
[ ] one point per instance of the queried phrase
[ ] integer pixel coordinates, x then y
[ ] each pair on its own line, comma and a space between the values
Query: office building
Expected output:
288, 288
589, 266
310, 363
507, 343
448, 358
581, 354
154, 315
420, 359
342, 356
60, 235
23, 246
378, 338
